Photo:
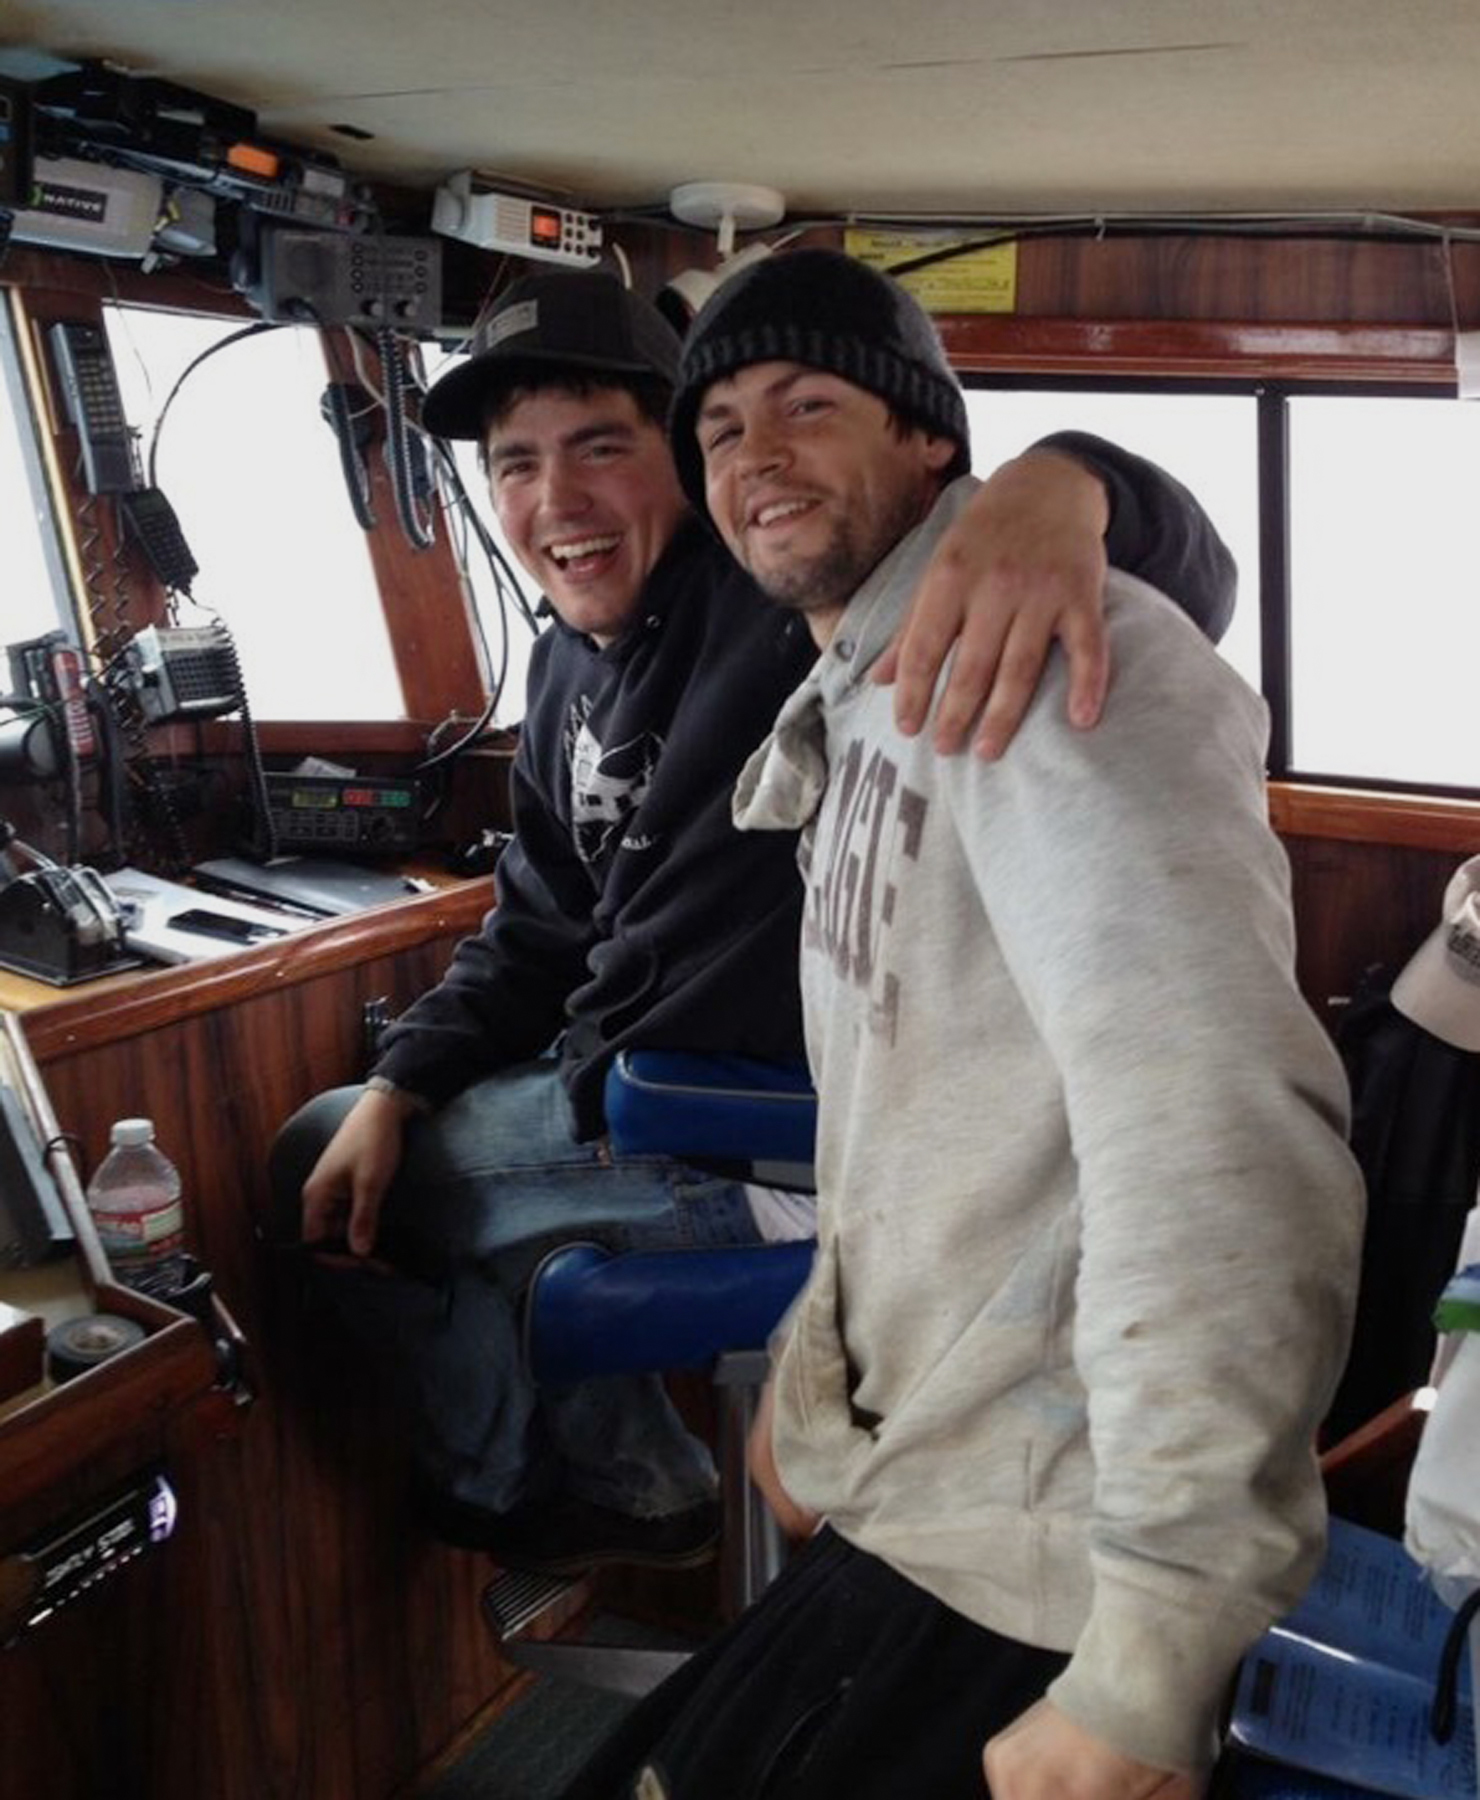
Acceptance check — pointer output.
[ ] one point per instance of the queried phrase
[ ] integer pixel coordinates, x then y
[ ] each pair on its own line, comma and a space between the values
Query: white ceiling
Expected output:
973, 106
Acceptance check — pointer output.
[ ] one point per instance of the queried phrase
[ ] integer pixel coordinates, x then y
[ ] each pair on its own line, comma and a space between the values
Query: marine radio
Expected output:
360, 815
466, 207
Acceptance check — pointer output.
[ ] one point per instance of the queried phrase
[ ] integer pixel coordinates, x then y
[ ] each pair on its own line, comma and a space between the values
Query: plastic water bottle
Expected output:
134, 1198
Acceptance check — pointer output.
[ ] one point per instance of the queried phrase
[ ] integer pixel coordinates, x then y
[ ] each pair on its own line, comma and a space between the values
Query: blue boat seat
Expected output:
592, 1312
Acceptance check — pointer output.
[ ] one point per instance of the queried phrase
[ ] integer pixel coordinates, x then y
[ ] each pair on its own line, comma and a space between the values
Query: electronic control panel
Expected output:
60, 1565
332, 280
359, 814
463, 208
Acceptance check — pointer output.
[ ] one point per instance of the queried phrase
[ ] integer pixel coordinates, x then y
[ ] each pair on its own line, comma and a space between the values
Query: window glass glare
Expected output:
32, 594
253, 473
1207, 441
1384, 608
506, 633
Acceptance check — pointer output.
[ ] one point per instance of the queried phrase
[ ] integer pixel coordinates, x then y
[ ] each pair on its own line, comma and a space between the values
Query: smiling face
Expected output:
585, 490
811, 482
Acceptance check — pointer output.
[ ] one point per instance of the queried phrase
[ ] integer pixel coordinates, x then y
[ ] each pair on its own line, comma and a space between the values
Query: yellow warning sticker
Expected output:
977, 281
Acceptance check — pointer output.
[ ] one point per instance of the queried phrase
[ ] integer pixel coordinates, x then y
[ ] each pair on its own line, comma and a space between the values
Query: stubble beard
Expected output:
858, 544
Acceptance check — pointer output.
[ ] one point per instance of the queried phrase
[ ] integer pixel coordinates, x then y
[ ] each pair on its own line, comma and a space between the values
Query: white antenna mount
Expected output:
727, 207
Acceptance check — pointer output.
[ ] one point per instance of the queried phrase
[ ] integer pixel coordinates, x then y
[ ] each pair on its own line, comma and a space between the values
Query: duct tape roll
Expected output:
77, 1345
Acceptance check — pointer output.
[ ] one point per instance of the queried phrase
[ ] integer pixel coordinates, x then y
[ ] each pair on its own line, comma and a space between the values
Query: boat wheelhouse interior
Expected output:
252, 612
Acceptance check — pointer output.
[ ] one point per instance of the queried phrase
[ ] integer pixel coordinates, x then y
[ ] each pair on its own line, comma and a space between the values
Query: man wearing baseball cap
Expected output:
1087, 1224
630, 912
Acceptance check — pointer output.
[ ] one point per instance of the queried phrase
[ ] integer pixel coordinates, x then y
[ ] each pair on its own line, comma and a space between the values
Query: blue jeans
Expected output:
487, 1186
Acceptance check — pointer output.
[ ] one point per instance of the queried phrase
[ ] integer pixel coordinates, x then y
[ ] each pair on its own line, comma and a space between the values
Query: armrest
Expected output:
591, 1313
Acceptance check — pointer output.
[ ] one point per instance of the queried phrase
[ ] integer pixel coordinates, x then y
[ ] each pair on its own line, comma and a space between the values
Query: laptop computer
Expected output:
316, 884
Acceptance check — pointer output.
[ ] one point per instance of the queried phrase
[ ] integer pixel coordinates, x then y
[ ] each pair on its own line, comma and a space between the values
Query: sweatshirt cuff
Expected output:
1124, 530
382, 1084
1151, 1675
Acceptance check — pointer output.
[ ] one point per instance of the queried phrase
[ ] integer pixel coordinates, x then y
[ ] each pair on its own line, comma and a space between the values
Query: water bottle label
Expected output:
135, 1236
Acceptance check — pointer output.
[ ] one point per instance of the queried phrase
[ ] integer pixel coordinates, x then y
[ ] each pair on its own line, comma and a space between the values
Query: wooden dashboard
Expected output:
291, 1641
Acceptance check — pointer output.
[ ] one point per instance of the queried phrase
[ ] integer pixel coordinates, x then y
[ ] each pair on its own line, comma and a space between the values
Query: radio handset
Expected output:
50, 670
348, 409
94, 406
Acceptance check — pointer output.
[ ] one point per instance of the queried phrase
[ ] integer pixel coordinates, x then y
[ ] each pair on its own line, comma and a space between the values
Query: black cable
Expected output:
417, 523
505, 586
470, 736
1132, 228
264, 832
1376, 226
335, 407
234, 337
1446, 1705
111, 765
505, 578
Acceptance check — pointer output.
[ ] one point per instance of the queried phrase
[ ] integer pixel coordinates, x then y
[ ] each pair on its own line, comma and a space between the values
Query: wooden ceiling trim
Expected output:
1198, 349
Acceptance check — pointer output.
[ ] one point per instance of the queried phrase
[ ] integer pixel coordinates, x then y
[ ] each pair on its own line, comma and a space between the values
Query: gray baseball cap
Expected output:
581, 321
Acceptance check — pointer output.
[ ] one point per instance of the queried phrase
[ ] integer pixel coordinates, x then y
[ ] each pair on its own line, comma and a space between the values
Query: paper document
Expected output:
1344, 1686
176, 924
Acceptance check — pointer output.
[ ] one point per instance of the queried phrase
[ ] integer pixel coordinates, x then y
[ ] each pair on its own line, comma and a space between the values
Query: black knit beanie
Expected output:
826, 311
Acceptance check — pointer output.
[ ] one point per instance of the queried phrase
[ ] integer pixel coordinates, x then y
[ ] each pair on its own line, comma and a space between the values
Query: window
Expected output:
1206, 440
500, 595
1364, 637
32, 596
1384, 591
253, 474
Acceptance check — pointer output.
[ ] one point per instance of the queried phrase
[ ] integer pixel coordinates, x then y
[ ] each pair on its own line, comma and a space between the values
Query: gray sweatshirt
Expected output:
1088, 1229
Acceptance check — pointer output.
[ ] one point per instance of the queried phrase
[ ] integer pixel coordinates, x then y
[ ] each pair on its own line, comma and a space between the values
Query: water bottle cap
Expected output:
129, 1132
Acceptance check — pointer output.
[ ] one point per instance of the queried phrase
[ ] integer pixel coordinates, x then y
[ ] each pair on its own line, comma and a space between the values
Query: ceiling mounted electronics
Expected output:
338, 280
76, 205
467, 208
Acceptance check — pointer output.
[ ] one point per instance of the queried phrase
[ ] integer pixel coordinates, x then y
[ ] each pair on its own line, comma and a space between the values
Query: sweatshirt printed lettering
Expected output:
606, 786
851, 902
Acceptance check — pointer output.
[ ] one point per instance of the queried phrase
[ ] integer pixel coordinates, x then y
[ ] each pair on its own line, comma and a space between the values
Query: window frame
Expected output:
437, 660
15, 377
435, 644
1271, 363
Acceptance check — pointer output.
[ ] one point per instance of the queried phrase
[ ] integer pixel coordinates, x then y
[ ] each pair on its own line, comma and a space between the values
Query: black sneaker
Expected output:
565, 1536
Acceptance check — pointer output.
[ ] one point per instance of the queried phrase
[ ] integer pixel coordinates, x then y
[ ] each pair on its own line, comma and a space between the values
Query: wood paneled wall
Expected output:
294, 1641
1359, 905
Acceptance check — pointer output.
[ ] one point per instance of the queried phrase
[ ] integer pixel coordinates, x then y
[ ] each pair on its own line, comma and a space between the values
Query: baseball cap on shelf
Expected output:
1439, 987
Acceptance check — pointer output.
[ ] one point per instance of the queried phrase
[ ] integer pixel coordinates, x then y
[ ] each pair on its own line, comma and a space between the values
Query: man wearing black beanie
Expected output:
1087, 1224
